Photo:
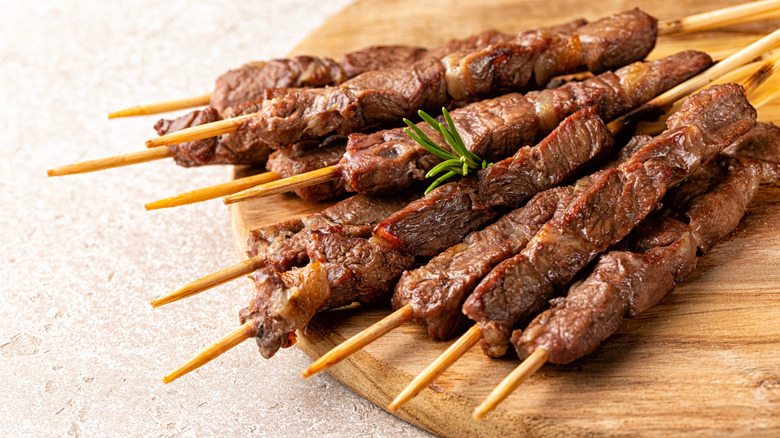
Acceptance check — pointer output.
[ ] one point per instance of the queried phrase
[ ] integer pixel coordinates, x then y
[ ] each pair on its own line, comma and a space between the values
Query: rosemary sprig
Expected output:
460, 164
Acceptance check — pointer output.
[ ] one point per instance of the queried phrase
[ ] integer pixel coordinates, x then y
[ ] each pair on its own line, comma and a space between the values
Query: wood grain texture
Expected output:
705, 361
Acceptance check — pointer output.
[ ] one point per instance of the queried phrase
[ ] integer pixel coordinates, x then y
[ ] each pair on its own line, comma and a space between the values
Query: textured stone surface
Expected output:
81, 350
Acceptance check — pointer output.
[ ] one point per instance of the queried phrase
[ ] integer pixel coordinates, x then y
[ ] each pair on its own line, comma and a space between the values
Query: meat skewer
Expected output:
283, 246
383, 96
243, 92
662, 253
364, 167
615, 202
378, 98
298, 71
317, 269
250, 81
288, 167
139, 157
390, 160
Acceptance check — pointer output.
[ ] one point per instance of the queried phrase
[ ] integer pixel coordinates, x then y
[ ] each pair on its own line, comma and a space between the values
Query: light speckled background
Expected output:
81, 350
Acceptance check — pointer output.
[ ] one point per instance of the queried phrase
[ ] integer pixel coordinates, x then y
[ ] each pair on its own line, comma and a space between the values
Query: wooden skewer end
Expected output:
519, 375
360, 340
450, 356
211, 352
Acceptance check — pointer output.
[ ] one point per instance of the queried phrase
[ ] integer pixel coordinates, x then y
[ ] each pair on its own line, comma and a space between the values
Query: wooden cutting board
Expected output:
705, 361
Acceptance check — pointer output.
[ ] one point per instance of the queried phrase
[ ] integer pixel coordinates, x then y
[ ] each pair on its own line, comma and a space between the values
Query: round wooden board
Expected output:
706, 361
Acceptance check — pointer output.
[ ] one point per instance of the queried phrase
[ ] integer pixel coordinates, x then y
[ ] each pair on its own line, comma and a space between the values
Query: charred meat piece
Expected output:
283, 245
319, 262
362, 103
342, 270
614, 203
236, 148
250, 81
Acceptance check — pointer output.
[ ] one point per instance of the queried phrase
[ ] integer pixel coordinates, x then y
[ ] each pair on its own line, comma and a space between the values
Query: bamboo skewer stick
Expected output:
519, 375
450, 356
744, 13
676, 93
360, 340
111, 162
215, 191
162, 107
211, 352
199, 132
285, 185
209, 281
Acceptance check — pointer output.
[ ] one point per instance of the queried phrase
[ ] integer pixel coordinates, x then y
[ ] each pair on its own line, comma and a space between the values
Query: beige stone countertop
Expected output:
82, 352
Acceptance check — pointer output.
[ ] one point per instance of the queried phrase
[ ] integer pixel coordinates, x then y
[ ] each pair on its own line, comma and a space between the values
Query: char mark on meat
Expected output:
615, 202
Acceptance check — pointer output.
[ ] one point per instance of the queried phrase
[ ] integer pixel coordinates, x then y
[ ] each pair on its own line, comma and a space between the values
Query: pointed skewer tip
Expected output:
360, 340
211, 352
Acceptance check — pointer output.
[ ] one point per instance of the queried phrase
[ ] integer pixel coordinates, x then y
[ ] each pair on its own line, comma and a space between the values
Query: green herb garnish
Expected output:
459, 164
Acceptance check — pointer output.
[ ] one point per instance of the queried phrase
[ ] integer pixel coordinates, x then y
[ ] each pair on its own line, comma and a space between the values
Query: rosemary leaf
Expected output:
439, 181
454, 131
452, 165
430, 146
